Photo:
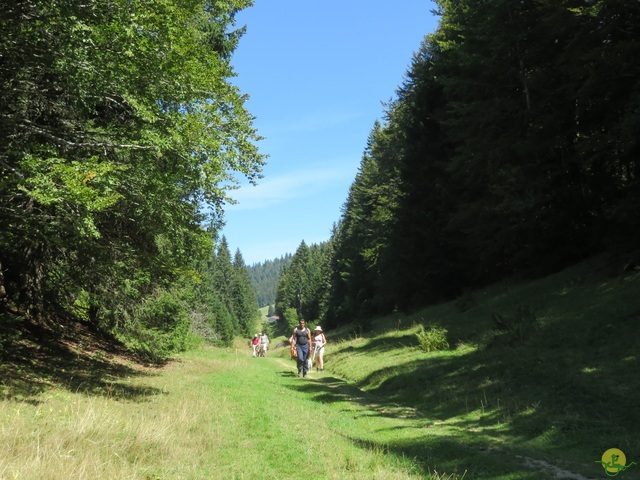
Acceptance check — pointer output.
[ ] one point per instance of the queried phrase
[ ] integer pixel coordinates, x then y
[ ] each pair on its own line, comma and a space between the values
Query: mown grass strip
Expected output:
208, 415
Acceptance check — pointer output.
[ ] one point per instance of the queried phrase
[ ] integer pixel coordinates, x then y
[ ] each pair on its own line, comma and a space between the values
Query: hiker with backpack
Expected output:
301, 340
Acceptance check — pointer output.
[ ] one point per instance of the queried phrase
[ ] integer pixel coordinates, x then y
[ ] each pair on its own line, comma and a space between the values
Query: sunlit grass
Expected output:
547, 385
213, 414
495, 405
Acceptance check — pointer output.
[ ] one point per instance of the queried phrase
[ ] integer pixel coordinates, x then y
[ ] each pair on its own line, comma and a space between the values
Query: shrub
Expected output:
433, 339
161, 325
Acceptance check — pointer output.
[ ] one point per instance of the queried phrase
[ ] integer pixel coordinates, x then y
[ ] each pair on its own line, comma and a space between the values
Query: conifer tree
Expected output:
245, 306
301, 287
224, 280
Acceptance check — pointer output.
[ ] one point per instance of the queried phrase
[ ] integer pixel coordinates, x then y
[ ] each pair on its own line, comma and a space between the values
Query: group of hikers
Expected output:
260, 344
306, 347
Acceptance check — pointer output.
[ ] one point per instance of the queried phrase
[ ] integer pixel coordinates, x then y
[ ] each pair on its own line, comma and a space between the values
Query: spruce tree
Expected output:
245, 306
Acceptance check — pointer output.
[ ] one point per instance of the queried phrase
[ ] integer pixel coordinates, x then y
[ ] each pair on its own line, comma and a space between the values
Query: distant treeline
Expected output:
264, 278
511, 148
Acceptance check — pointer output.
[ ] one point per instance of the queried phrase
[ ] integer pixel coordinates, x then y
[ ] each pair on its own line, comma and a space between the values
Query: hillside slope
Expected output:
539, 381
544, 369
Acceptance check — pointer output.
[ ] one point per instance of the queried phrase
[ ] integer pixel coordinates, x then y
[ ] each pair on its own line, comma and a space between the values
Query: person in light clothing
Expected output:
264, 343
319, 341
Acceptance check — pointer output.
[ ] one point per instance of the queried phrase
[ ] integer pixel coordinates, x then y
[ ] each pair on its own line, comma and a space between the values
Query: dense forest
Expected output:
264, 277
121, 136
510, 149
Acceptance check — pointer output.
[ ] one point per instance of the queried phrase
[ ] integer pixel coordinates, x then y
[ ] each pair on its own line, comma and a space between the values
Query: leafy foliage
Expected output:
162, 327
291, 318
223, 304
122, 135
245, 306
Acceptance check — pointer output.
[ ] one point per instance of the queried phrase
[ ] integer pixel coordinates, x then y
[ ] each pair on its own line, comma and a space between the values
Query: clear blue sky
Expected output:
316, 72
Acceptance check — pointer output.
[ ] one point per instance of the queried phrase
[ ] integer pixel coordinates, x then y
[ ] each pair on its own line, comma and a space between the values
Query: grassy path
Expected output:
544, 399
207, 415
219, 414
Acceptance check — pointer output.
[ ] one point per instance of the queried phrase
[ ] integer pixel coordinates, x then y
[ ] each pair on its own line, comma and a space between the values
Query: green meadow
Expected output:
538, 380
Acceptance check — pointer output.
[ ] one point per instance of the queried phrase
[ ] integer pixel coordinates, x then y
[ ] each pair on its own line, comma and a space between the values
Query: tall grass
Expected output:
432, 339
540, 378
209, 415
544, 369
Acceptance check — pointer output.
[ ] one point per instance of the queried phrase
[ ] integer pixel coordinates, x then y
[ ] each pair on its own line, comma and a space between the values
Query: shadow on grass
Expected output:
428, 454
570, 383
331, 390
521, 396
34, 359
568, 401
385, 343
442, 458
563, 391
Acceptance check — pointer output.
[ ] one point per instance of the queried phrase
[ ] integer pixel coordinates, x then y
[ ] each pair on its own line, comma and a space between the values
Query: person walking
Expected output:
254, 344
301, 339
319, 341
264, 343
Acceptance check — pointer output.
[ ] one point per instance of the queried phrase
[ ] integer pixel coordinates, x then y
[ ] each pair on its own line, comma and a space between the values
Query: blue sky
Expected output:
317, 73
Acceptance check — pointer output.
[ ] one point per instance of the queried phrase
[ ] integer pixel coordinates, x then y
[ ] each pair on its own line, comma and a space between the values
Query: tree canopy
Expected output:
122, 135
511, 148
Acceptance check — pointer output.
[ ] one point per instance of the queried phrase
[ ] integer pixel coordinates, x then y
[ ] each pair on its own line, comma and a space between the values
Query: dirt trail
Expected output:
553, 469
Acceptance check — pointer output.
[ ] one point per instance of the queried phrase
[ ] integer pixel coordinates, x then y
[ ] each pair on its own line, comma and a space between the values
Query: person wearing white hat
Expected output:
319, 341
264, 344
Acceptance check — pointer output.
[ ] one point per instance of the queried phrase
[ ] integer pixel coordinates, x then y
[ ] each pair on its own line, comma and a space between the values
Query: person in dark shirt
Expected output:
301, 339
